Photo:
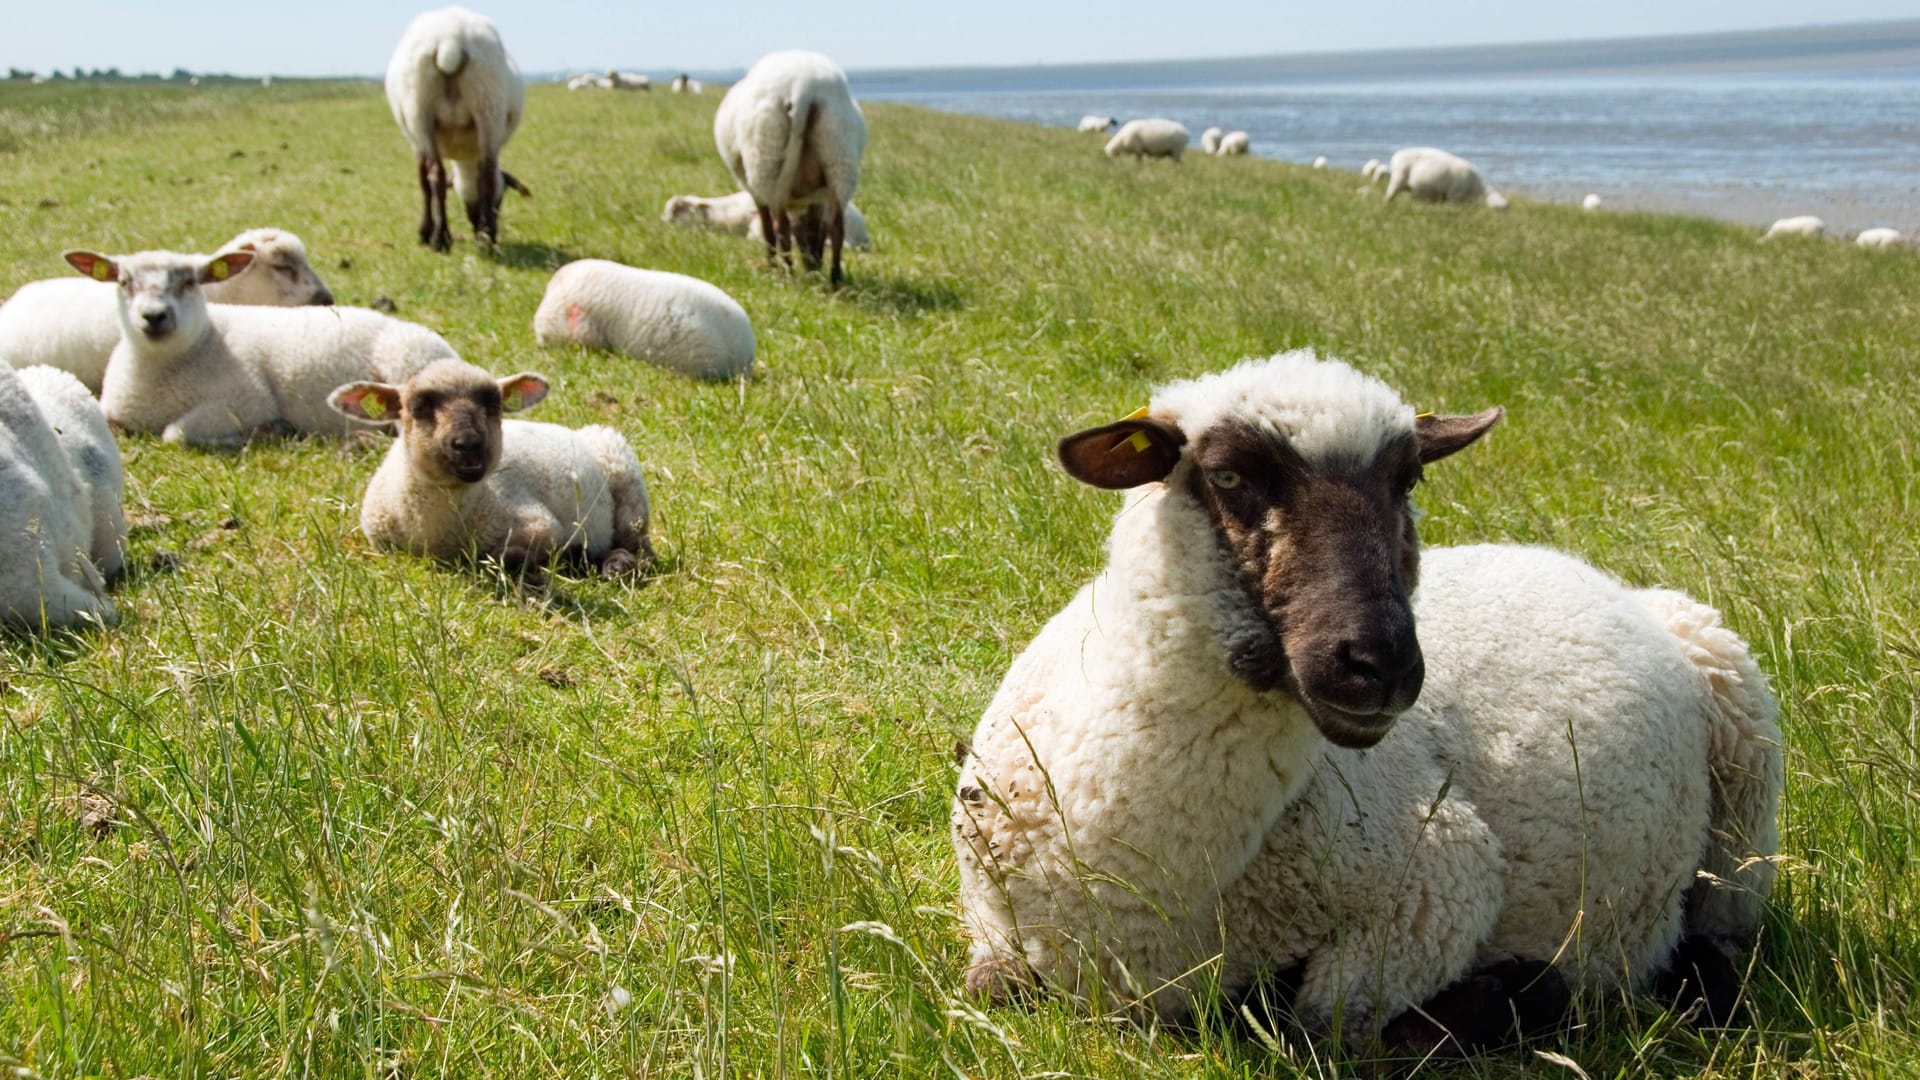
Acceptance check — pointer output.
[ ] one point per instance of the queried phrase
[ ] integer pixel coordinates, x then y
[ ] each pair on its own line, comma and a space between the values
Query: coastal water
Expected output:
1749, 149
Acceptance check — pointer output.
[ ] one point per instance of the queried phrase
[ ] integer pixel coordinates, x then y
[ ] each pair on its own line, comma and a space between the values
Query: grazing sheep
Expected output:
457, 96
217, 375
1232, 743
1320, 162
677, 322
60, 515
629, 80
1098, 123
1878, 238
1210, 140
70, 324
1432, 175
1148, 138
736, 214
1804, 225
1371, 169
589, 82
1233, 144
793, 137
1591, 202
460, 481
686, 84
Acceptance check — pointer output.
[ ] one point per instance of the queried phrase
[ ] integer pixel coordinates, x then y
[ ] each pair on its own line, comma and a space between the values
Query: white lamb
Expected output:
216, 375
793, 137
60, 513
68, 323
1878, 238
457, 97
737, 214
1230, 757
1151, 137
1805, 225
1210, 140
1098, 123
677, 322
1591, 202
1432, 175
460, 481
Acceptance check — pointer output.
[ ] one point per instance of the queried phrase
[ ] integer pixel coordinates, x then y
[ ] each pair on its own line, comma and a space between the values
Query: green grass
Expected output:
377, 817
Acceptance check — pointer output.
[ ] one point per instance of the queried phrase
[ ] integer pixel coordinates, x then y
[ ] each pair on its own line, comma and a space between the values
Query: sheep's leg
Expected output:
487, 228
768, 233
426, 199
837, 234
442, 232
785, 222
1700, 972
1508, 1002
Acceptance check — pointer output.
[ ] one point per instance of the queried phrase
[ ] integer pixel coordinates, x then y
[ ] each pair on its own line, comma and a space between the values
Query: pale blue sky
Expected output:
354, 37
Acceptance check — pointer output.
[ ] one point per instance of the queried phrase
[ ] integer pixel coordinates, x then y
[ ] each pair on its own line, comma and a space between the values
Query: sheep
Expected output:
793, 137
461, 481
457, 97
677, 322
686, 84
1371, 169
1805, 225
629, 80
1878, 238
1148, 138
60, 513
1233, 144
736, 214
1177, 768
589, 82
1210, 140
1101, 124
1432, 175
216, 375
70, 324
1591, 202
1320, 162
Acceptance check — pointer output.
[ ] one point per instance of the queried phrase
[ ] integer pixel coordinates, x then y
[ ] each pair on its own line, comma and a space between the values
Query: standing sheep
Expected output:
1233, 144
1210, 140
460, 481
1432, 175
793, 138
1806, 225
680, 323
70, 324
1232, 743
457, 97
1371, 169
60, 514
1148, 138
737, 214
1100, 124
1878, 238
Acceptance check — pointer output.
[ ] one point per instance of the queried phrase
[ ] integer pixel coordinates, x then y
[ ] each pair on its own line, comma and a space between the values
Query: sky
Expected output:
355, 37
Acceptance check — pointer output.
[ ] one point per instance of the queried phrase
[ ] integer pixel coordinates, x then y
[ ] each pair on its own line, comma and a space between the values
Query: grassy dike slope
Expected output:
378, 818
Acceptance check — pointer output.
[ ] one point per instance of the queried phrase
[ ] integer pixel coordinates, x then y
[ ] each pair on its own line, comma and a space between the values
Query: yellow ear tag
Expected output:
218, 268
510, 401
1139, 442
102, 270
1137, 414
372, 407
1428, 415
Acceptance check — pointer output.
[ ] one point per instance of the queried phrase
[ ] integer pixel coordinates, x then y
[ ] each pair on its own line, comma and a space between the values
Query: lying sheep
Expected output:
792, 136
686, 84
1233, 744
60, 514
1320, 162
1878, 238
1591, 202
457, 97
1233, 144
1098, 123
589, 82
736, 214
680, 323
1432, 175
1210, 140
1804, 225
218, 375
460, 481
1148, 138
629, 80
70, 324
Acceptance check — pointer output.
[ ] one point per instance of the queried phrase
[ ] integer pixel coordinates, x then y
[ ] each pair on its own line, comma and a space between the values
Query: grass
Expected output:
375, 817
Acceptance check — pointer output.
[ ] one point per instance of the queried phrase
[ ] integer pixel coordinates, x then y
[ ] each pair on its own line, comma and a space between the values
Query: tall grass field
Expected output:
311, 810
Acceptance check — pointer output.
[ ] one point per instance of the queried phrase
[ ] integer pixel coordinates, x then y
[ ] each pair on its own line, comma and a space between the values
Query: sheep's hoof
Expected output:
619, 563
1700, 973
1496, 1006
999, 981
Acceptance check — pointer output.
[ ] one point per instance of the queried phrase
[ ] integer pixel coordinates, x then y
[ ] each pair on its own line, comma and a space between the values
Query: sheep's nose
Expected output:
468, 444
157, 322
1385, 669
323, 298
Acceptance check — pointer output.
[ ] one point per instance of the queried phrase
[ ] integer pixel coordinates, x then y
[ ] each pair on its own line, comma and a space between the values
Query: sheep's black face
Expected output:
454, 432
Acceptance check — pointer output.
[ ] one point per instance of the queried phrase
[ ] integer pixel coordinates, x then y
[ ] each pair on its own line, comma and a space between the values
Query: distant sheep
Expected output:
1210, 140
1149, 138
60, 515
1371, 169
457, 97
1591, 202
1805, 225
680, 323
589, 82
686, 84
629, 80
1320, 162
1431, 175
1878, 238
736, 214
793, 137
71, 324
461, 481
1098, 123
1233, 144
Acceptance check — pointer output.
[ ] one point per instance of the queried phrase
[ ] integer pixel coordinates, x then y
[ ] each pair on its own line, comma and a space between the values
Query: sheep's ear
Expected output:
522, 391
1127, 453
1442, 435
367, 401
224, 265
97, 267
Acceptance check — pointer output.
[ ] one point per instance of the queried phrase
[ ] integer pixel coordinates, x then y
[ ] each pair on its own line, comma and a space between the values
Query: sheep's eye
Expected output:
1224, 479
292, 274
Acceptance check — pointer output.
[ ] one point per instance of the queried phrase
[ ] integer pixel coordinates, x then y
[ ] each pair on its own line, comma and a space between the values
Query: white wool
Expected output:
60, 515
1151, 137
1326, 410
456, 94
678, 322
1233, 144
83, 434
1878, 238
1097, 123
790, 132
1433, 175
1210, 140
1371, 168
736, 214
1320, 162
1591, 202
1804, 225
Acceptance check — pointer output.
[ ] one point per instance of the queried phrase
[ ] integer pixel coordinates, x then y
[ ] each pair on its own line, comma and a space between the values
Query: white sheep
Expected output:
1152, 137
70, 324
1806, 225
687, 84
216, 375
589, 82
1371, 169
1100, 124
1231, 756
60, 514
677, 322
1432, 175
1320, 162
1233, 144
629, 80
461, 481
457, 97
793, 137
1591, 202
1210, 140
1878, 238
736, 214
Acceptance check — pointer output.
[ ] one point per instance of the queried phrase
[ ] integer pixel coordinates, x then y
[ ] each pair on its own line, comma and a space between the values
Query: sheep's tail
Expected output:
450, 55
1744, 756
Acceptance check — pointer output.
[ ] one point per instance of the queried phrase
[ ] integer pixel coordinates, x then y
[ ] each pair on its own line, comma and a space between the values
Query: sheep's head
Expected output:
686, 210
160, 291
1303, 468
282, 276
449, 416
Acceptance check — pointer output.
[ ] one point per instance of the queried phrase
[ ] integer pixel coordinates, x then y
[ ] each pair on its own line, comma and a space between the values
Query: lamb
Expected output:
60, 514
1805, 225
460, 481
1320, 162
457, 97
1210, 140
1591, 202
1169, 786
1432, 175
1148, 138
686, 84
793, 137
216, 375
1878, 238
1100, 124
678, 322
70, 324
736, 214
